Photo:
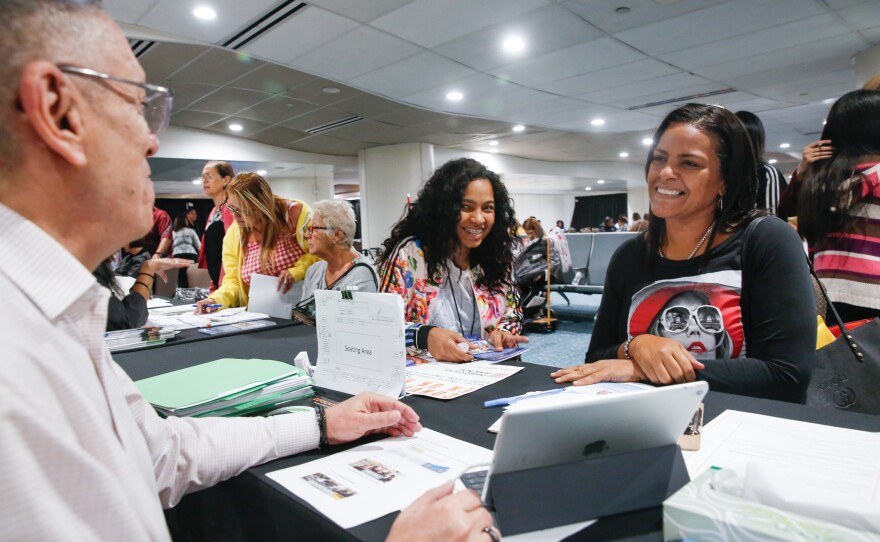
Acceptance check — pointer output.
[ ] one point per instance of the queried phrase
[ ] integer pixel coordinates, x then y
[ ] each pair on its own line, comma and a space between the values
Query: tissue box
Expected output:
700, 513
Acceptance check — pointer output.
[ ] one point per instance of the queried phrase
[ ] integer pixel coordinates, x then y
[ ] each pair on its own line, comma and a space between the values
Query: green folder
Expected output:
213, 381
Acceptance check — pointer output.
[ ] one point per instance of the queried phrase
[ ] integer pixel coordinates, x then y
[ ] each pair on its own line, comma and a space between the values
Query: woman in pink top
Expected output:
839, 206
268, 238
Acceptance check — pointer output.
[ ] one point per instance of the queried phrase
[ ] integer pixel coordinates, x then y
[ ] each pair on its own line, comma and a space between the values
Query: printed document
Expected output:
264, 296
360, 342
372, 480
451, 380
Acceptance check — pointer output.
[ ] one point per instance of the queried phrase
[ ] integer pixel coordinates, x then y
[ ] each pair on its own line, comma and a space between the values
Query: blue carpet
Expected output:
568, 344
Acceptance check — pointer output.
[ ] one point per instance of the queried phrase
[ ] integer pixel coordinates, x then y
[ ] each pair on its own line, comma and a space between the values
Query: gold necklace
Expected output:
696, 248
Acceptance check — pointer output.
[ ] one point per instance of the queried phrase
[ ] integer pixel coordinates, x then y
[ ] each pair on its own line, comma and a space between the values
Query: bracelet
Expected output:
322, 426
142, 284
152, 276
629, 340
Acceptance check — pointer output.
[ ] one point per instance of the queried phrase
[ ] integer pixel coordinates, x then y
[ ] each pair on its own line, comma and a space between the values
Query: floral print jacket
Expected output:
406, 274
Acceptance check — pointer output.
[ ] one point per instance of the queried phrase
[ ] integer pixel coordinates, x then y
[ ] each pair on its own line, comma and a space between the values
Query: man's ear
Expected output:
52, 107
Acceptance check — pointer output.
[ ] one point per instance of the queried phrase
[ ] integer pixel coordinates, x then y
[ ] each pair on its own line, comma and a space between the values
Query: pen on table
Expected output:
504, 401
207, 308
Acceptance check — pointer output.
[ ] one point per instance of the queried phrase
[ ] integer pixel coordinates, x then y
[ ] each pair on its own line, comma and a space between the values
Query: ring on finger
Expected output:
492, 533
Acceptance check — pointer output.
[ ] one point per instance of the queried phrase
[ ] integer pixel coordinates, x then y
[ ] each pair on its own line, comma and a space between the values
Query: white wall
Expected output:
388, 174
637, 201
546, 208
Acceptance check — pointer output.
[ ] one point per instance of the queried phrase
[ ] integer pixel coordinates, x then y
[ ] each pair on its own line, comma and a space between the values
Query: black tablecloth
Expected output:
253, 507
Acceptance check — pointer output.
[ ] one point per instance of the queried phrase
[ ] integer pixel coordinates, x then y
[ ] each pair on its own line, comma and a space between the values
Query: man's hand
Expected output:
443, 345
444, 516
664, 361
501, 339
606, 370
368, 413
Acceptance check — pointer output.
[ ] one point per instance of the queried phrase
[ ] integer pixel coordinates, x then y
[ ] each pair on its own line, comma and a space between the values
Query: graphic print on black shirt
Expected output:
702, 313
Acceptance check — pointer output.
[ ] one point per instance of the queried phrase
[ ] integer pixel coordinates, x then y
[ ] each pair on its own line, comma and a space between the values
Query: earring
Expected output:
720, 204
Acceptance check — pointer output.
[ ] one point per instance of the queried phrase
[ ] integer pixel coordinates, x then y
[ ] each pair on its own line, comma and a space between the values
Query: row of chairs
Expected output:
590, 255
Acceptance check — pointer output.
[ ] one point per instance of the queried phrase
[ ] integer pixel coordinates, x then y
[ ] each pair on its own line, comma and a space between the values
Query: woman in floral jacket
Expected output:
450, 258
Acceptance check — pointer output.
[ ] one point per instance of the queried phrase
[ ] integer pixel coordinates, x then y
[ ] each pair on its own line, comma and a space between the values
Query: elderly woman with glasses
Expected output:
341, 267
267, 238
715, 290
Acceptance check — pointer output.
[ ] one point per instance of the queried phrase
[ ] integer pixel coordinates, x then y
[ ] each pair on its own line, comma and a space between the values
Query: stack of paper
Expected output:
128, 339
183, 317
226, 387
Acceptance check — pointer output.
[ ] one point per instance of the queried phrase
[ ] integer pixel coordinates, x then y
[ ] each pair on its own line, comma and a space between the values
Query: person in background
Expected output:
340, 267
745, 274
267, 238
186, 242
158, 240
85, 455
636, 223
608, 225
812, 153
622, 223
560, 224
451, 260
127, 311
839, 206
771, 181
215, 176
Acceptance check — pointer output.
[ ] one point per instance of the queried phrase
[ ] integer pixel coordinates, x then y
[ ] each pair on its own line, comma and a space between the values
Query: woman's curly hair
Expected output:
434, 217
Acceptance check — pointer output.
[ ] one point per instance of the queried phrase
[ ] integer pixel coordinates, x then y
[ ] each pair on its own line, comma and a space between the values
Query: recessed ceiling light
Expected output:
330, 90
197, 181
597, 122
519, 128
205, 13
622, 10
588, 188
261, 172
493, 143
513, 44
624, 154
771, 161
784, 145
647, 142
454, 96
601, 181
236, 127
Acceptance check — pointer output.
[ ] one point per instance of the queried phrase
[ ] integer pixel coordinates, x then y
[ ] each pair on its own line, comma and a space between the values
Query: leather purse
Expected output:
846, 375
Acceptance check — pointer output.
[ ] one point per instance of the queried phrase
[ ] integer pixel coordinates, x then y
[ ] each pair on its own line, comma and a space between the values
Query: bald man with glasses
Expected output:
85, 456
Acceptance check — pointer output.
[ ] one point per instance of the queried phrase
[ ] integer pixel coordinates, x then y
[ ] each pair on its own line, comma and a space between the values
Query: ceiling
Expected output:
266, 65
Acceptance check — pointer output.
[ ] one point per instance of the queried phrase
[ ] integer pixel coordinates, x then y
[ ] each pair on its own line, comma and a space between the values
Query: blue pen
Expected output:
505, 401
210, 306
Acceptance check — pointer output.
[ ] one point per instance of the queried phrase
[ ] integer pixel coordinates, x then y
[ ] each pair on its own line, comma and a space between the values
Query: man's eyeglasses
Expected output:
311, 229
233, 210
157, 102
676, 319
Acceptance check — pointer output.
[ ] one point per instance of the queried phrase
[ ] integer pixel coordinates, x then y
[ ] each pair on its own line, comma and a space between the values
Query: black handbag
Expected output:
846, 375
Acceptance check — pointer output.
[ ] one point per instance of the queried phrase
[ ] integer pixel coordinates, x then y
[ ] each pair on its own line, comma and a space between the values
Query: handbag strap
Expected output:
835, 316
311, 298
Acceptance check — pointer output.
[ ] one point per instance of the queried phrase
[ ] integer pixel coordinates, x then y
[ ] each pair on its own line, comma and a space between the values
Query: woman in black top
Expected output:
707, 255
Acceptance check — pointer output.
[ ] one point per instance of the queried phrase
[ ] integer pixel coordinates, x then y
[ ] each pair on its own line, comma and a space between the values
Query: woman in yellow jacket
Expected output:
268, 238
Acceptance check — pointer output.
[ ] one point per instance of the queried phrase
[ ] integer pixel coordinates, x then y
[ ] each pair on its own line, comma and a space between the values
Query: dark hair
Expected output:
739, 170
637, 216
755, 128
224, 169
106, 278
433, 219
180, 221
560, 224
825, 198
137, 243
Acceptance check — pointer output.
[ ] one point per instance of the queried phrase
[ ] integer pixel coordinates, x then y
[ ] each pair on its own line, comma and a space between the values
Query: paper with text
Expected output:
360, 342
372, 480
451, 380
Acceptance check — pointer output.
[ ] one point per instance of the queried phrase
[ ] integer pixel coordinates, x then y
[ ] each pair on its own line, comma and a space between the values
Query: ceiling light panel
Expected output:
360, 51
423, 71
175, 17
205, 13
430, 23
577, 60
310, 29
480, 49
